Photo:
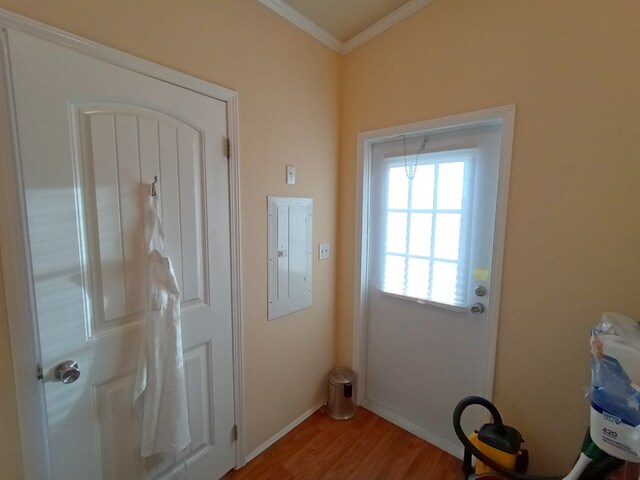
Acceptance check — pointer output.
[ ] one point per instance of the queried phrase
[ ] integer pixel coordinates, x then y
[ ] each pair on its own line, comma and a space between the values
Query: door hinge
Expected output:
228, 149
234, 433
39, 374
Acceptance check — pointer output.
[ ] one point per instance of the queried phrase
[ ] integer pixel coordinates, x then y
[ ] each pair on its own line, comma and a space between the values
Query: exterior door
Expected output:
92, 137
432, 216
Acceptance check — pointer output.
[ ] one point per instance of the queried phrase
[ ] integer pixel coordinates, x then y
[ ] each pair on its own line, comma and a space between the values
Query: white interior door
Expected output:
92, 136
432, 222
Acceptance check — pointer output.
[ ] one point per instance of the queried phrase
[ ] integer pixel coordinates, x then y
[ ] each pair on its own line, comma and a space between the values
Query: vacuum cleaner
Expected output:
497, 448
614, 433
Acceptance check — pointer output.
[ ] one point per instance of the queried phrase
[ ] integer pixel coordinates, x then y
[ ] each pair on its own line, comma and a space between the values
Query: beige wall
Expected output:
287, 84
572, 67
10, 451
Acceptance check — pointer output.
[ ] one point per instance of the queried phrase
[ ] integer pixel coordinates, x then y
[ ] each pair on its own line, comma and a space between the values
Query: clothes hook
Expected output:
153, 186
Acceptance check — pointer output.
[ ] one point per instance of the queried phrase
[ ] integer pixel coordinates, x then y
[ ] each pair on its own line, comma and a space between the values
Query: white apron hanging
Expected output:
160, 388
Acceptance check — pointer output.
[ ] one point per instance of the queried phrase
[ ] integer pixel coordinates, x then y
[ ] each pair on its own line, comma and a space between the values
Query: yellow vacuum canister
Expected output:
495, 445
498, 444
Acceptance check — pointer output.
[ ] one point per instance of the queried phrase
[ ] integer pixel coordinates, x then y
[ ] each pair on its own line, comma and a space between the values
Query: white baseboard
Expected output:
420, 432
250, 456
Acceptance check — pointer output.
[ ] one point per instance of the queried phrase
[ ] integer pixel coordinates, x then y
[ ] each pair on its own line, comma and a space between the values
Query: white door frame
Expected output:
504, 116
16, 260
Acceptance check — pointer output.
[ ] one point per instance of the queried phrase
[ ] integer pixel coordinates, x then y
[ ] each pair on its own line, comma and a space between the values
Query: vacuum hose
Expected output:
595, 471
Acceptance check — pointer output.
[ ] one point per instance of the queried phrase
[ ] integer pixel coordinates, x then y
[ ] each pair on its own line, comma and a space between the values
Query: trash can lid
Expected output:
340, 376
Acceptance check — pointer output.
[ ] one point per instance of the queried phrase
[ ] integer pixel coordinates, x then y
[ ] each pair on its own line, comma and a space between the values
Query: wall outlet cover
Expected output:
323, 251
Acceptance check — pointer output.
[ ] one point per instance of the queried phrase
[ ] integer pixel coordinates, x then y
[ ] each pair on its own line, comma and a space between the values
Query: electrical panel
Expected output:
290, 254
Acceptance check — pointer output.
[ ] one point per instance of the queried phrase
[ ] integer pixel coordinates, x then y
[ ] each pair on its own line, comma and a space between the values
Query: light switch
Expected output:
323, 251
291, 174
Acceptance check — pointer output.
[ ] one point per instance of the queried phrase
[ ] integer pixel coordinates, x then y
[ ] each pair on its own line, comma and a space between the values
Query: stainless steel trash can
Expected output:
340, 405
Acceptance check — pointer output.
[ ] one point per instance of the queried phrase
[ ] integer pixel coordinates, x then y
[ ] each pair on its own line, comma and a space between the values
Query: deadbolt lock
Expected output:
480, 291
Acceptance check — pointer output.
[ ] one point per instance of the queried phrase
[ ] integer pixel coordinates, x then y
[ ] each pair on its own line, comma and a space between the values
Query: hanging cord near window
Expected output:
153, 192
415, 164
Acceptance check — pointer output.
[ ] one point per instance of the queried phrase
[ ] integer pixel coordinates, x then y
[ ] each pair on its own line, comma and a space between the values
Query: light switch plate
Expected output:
291, 174
323, 251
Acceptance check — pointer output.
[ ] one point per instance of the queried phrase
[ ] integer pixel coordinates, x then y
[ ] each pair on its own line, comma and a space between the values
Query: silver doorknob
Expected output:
477, 308
67, 372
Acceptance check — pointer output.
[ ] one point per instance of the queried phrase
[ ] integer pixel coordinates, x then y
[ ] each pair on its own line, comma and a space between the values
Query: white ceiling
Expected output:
344, 24
344, 19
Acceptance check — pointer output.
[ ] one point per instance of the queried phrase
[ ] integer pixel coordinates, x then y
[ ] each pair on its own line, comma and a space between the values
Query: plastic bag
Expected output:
615, 386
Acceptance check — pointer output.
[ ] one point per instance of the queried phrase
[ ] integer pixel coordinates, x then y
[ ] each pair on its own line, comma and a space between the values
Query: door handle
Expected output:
67, 371
477, 308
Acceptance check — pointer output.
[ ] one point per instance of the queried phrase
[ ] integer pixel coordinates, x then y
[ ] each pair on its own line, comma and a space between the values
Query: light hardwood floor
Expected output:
365, 447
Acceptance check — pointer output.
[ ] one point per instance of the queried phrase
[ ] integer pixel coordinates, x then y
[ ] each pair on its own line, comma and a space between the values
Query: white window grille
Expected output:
427, 227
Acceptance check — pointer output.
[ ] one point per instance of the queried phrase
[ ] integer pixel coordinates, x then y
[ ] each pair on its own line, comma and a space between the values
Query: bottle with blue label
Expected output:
615, 386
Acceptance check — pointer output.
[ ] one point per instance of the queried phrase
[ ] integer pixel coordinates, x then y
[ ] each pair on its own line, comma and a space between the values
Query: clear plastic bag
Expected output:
615, 386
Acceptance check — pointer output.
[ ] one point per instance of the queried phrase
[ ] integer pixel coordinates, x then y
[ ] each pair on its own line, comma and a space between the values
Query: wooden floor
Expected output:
365, 447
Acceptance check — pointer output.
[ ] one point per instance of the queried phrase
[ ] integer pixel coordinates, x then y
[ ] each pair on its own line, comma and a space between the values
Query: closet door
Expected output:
92, 137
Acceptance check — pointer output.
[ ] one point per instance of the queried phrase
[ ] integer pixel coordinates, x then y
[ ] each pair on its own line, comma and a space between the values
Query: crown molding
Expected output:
383, 24
292, 15
303, 23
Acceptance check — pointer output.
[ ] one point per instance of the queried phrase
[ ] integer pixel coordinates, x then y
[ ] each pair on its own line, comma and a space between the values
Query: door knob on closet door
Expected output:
67, 372
477, 308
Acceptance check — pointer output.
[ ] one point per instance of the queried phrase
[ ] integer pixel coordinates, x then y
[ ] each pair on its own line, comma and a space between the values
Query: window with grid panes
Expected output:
427, 218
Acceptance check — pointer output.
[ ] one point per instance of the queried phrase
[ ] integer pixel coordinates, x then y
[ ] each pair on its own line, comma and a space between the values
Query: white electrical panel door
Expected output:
290, 238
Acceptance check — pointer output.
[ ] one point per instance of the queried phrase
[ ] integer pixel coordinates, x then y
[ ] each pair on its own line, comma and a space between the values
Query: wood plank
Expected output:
132, 212
111, 260
365, 447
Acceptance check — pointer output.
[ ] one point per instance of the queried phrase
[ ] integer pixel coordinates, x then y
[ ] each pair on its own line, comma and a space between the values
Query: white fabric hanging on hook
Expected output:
160, 389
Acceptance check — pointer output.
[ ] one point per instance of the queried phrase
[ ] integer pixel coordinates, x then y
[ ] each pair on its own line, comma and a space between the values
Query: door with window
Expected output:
432, 215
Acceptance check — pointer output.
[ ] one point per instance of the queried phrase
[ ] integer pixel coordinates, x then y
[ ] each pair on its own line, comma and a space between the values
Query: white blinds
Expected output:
427, 227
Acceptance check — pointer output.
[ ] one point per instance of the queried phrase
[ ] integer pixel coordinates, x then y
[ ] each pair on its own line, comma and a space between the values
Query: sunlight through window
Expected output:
427, 231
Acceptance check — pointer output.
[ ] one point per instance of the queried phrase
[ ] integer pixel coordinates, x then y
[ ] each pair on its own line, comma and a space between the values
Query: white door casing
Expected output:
395, 383
91, 134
